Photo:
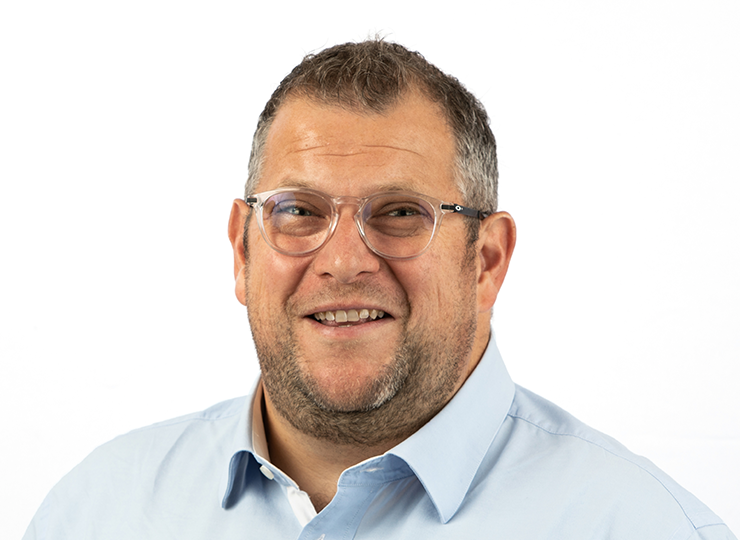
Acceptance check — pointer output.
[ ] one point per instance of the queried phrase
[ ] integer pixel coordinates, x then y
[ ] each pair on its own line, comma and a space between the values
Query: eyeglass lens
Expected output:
394, 224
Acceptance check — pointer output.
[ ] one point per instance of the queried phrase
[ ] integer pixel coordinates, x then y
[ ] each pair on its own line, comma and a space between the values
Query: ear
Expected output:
239, 213
495, 247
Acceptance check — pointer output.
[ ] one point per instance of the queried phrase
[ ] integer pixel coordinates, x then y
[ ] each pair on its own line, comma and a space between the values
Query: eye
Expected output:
385, 208
292, 209
288, 206
403, 211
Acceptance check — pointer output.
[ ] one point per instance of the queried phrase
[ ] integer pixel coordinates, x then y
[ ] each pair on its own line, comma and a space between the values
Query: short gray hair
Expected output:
371, 76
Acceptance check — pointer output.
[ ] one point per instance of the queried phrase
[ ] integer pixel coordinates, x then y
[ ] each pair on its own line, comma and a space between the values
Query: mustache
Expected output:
394, 301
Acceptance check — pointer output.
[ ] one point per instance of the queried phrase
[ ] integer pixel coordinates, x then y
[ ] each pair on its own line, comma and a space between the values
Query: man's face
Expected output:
371, 380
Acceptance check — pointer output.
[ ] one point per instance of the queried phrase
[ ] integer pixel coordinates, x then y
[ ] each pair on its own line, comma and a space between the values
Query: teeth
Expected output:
352, 315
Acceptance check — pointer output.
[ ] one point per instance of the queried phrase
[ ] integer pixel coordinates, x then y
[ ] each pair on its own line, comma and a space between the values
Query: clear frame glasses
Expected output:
393, 224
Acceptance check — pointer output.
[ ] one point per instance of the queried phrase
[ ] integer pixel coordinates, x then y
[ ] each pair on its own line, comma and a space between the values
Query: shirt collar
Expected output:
234, 478
446, 453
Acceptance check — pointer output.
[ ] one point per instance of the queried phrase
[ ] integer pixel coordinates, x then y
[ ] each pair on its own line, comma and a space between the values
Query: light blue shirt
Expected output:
496, 462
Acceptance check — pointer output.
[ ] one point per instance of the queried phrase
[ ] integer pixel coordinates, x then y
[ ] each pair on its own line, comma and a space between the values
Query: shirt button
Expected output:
267, 472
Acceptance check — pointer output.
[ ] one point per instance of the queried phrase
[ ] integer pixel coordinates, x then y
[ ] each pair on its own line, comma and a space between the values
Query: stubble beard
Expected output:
406, 393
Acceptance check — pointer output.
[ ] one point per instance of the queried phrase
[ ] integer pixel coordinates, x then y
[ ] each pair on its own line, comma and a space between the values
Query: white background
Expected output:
124, 136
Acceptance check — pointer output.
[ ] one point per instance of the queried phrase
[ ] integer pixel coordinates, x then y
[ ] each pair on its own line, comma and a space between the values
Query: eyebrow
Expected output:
292, 182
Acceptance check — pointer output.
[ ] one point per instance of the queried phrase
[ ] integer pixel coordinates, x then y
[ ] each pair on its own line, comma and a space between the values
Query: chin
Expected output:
354, 392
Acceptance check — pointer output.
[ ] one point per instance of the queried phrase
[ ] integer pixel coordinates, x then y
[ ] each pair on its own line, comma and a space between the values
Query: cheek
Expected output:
438, 283
271, 277
427, 282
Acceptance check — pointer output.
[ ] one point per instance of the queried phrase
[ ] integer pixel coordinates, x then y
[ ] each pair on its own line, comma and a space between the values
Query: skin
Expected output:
336, 396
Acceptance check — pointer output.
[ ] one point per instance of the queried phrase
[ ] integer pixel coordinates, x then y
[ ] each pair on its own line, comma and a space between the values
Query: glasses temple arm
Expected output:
465, 211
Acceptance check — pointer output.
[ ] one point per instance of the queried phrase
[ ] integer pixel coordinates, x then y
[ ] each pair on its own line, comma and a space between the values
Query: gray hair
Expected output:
371, 77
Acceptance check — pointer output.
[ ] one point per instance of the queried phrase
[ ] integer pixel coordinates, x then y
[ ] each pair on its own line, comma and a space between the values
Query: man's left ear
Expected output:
239, 213
495, 247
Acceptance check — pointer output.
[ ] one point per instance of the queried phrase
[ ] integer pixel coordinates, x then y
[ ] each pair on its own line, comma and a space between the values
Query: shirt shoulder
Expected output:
212, 427
624, 487
138, 469
215, 413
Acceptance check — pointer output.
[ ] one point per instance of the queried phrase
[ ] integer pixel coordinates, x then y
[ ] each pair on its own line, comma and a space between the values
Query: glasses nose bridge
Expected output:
348, 200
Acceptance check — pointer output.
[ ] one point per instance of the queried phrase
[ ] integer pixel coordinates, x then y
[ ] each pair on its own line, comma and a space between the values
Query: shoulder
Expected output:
220, 413
594, 471
216, 422
135, 470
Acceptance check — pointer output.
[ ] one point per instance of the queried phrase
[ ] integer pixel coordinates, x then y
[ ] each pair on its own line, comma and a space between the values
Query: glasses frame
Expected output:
257, 201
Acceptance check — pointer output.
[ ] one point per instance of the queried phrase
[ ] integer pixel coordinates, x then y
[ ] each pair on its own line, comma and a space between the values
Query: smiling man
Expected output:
369, 254
370, 315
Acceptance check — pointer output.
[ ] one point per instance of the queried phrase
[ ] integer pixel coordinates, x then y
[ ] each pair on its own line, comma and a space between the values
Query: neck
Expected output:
313, 463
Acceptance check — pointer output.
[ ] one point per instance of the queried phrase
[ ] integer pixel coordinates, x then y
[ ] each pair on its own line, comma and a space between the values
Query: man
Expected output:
369, 254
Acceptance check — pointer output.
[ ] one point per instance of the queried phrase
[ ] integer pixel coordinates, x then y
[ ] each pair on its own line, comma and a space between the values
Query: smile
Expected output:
340, 316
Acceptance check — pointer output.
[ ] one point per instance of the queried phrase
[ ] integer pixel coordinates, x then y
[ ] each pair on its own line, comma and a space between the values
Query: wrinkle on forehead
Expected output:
311, 132
378, 188
410, 148
349, 153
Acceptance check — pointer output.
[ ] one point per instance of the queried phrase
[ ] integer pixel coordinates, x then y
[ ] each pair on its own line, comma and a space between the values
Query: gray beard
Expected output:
402, 398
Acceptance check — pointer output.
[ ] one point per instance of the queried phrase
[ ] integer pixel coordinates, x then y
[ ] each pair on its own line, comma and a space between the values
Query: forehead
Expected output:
343, 152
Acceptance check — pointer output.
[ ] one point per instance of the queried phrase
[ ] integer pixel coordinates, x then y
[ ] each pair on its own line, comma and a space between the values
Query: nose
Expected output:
345, 255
